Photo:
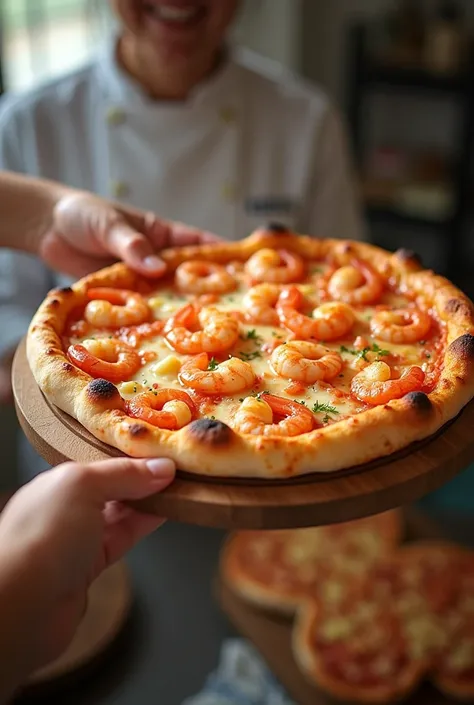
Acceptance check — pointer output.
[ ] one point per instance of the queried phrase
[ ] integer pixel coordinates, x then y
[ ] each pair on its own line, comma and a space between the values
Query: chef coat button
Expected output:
228, 114
119, 189
115, 116
229, 192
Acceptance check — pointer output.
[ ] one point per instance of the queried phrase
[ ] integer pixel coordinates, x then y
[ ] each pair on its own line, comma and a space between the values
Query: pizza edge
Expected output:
211, 447
307, 659
245, 586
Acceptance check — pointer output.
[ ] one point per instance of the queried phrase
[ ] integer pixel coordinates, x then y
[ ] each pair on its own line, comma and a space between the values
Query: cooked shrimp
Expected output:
165, 408
256, 416
116, 308
275, 266
231, 376
198, 277
375, 386
219, 330
356, 284
259, 304
330, 321
400, 325
305, 362
107, 358
134, 335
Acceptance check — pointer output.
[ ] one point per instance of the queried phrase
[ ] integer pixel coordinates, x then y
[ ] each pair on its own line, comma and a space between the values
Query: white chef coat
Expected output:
251, 145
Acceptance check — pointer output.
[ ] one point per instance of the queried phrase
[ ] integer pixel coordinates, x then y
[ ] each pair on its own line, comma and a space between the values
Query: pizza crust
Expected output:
211, 447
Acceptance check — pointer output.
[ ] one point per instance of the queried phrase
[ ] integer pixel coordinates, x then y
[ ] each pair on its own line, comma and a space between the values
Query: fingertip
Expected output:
153, 265
161, 468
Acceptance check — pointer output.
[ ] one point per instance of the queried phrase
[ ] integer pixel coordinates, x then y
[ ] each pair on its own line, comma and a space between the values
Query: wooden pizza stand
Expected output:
312, 500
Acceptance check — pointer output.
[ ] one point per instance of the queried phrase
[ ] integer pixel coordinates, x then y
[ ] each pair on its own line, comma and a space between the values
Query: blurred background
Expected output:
402, 73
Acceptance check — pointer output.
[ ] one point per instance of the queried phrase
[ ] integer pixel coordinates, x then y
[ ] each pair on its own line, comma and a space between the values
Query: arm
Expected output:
333, 204
24, 280
27, 207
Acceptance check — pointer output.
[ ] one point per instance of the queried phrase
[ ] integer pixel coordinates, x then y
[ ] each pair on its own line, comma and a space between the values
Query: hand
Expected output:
88, 230
57, 534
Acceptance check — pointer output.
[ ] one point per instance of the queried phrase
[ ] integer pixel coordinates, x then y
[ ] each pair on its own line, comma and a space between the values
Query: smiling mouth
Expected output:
172, 15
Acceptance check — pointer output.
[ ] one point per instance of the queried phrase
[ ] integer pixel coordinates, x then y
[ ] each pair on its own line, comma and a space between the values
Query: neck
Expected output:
161, 82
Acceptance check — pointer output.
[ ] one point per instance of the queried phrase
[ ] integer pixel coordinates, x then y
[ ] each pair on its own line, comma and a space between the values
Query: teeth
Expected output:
175, 14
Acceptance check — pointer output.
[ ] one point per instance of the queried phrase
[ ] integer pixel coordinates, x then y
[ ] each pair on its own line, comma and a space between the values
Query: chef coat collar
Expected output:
122, 89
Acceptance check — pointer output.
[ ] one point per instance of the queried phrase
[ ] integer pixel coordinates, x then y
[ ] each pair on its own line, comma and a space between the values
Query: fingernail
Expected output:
153, 263
161, 467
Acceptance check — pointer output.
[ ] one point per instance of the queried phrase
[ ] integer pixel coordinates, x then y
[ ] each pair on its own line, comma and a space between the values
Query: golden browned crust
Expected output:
375, 433
307, 658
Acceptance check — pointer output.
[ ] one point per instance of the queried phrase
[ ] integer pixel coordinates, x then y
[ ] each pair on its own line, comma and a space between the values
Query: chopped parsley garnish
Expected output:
212, 364
362, 354
326, 409
249, 356
252, 335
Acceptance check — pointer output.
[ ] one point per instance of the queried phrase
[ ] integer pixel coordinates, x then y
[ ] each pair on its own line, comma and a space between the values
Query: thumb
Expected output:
120, 479
135, 249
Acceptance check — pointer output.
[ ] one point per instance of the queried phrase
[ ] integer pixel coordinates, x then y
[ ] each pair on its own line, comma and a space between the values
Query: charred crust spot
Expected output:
347, 248
277, 228
210, 431
137, 430
406, 255
102, 390
419, 402
65, 290
67, 367
457, 307
54, 303
463, 347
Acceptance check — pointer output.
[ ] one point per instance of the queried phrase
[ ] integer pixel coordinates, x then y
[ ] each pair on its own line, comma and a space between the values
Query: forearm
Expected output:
27, 208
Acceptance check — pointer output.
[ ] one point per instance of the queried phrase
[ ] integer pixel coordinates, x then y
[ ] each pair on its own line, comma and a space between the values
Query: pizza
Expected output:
410, 619
276, 570
272, 357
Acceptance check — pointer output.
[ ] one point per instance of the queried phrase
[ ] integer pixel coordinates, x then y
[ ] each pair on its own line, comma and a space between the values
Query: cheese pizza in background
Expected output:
271, 357
277, 569
412, 618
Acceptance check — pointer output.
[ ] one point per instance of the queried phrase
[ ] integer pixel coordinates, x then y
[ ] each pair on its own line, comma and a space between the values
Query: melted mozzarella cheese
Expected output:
253, 345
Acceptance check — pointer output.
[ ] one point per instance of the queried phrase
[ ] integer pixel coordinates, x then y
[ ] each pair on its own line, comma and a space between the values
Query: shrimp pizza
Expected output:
271, 357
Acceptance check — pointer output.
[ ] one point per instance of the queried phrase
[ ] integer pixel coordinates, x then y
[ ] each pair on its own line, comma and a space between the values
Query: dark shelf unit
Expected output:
365, 75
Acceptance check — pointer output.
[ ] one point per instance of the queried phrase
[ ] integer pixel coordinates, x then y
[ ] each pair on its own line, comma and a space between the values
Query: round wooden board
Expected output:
107, 610
310, 501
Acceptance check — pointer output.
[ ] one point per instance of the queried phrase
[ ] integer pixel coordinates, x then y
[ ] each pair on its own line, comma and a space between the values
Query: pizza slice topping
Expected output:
336, 338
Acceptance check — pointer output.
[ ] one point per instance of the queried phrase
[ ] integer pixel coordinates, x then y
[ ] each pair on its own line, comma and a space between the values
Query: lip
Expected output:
174, 14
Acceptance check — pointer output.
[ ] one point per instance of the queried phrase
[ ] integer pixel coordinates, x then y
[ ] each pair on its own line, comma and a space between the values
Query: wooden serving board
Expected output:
311, 500
270, 634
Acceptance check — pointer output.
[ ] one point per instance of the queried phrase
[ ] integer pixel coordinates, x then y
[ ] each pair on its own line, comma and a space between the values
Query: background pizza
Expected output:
279, 569
409, 619
271, 357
